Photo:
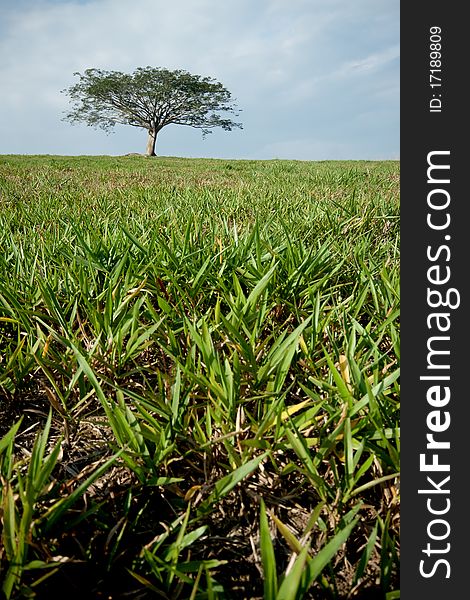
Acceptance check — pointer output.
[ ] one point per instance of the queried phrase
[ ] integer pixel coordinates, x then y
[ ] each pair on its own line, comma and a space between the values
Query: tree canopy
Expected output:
150, 98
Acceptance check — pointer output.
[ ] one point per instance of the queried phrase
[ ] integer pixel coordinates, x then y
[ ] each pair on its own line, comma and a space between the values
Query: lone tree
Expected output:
150, 98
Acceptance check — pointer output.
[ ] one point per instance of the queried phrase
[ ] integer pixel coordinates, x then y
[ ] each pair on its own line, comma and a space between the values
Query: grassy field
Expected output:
199, 378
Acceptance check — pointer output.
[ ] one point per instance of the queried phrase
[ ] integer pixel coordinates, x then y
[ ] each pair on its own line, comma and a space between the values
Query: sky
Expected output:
314, 79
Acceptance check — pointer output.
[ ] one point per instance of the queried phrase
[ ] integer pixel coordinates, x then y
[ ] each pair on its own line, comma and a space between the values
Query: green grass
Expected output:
199, 378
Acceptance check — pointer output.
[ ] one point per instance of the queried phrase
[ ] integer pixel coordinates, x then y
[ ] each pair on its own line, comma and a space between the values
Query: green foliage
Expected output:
150, 98
218, 342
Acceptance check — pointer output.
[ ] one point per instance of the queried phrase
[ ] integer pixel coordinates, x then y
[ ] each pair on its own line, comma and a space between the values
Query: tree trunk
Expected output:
151, 141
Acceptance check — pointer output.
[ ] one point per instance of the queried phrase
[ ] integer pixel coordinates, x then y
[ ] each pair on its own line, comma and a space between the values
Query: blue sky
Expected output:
315, 79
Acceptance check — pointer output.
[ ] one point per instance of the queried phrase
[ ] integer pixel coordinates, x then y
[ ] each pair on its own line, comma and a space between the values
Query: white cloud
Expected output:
373, 61
278, 58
